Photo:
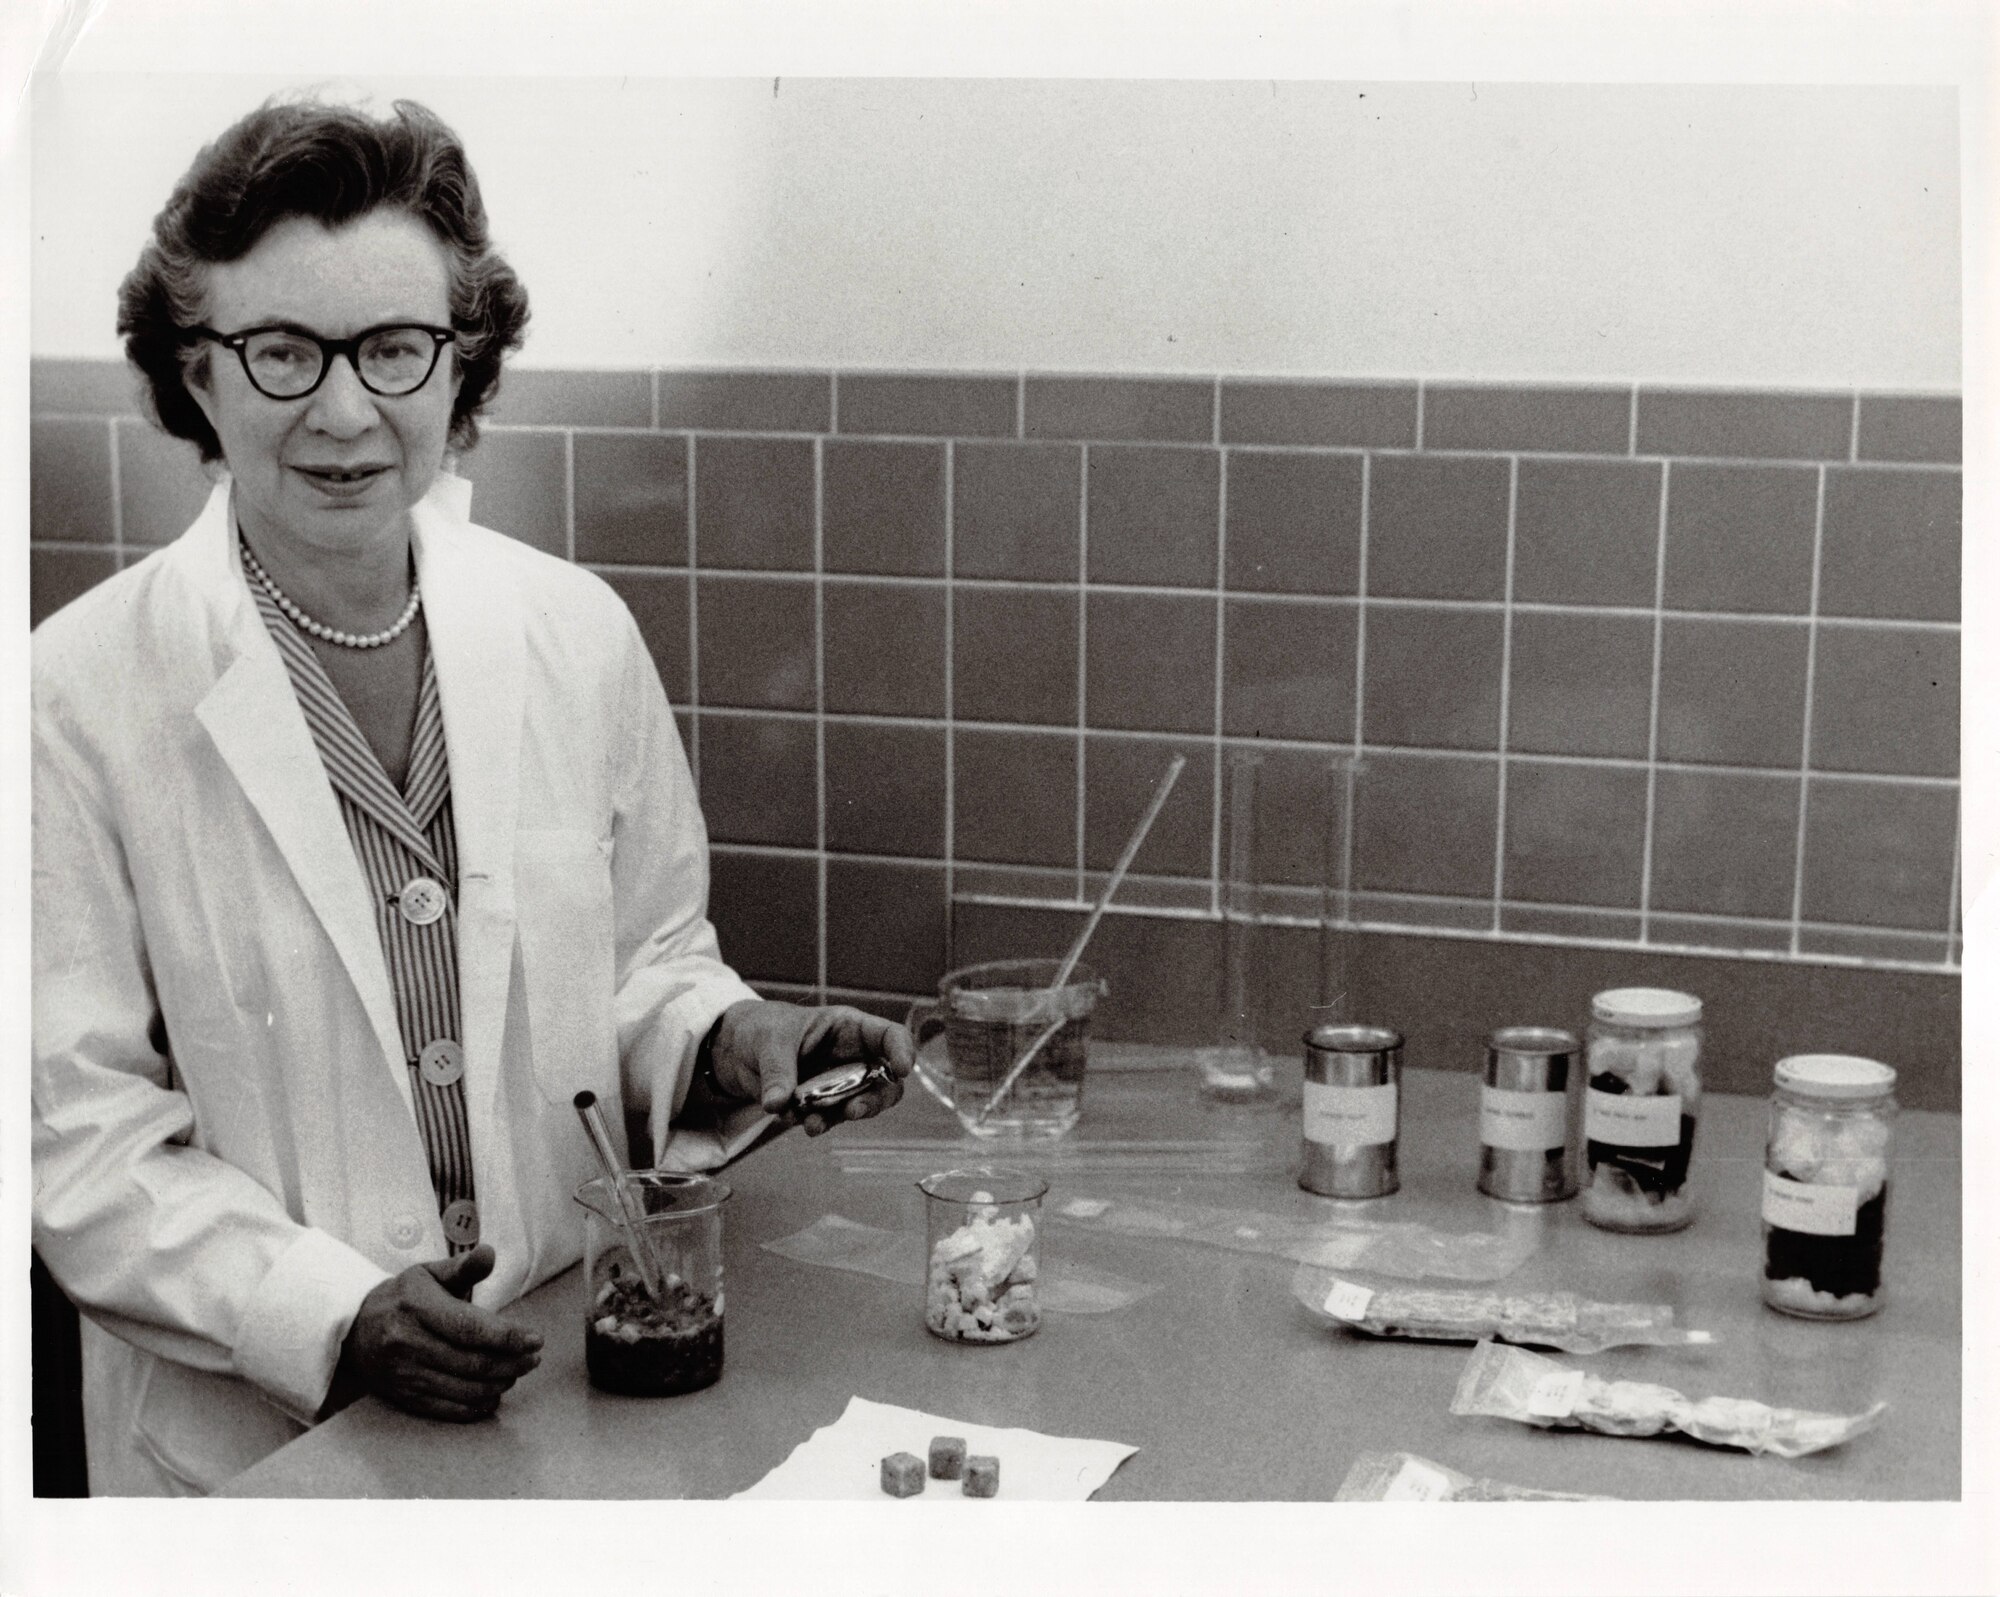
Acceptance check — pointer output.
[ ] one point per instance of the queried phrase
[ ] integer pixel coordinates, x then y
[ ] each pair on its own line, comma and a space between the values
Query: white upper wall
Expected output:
1792, 235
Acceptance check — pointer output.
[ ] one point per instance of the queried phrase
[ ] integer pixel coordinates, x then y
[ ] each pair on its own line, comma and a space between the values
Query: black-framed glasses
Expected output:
289, 363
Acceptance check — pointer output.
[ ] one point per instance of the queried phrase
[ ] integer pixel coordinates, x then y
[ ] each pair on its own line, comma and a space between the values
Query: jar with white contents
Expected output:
1640, 1107
1826, 1185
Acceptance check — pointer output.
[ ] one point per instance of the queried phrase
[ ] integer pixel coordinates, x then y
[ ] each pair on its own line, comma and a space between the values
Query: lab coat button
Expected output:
461, 1222
442, 1063
421, 901
405, 1231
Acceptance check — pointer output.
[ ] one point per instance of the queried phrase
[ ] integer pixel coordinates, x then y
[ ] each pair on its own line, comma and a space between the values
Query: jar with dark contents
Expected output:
1826, 1185
1641, 1102
653, 1328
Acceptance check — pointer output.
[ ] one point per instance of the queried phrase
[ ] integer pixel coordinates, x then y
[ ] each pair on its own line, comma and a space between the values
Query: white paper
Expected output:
1628, 1122
1348, 1300
1821, 1211
1350, 1117
1523, 1122
844, 1460
1554, 1395
1417, 1482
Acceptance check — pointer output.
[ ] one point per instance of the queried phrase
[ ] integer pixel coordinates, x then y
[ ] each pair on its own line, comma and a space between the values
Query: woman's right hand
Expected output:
419, 1343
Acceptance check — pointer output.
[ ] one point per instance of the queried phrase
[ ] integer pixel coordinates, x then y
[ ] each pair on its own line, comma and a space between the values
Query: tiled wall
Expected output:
1624, 667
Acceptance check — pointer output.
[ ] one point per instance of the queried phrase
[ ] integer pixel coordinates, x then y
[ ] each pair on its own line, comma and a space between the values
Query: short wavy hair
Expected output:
331, 163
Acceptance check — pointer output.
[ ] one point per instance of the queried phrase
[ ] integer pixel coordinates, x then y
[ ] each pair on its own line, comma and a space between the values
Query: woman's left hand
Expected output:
764, 1049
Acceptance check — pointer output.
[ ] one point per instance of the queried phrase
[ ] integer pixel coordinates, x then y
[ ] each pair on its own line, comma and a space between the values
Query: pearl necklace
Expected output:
305, 623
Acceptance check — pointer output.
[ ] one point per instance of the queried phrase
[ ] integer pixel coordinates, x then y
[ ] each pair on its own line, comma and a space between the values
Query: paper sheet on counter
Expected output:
844, 1460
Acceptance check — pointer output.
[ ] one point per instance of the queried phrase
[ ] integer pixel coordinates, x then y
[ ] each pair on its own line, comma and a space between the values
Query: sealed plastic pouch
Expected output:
1406, 1478
1444, 1314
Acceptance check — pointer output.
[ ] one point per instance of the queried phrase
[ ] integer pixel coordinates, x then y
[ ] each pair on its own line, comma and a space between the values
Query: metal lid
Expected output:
1834, 1076
1646, 1006
1541, 1041
1332, 1039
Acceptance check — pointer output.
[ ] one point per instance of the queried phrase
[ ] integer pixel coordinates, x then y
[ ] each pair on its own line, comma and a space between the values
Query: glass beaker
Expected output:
636, 1343
983, 1225
991, 1015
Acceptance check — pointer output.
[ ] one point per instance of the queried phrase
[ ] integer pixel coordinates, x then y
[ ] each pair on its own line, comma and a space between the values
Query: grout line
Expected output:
950, 705
653, 392
117, 496
832, 406
819, 699
694, 622
1506, 676
1082, 649
1215, 416
1653, 712
1417, 447
1021, 403
1854, 428
1806, 729
1632, 424
569, 495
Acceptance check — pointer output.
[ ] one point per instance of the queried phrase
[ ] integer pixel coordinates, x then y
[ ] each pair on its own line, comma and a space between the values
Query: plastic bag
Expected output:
1513, 1384
1406, 1478
1444, 1314
1066, 1286
1397, 1248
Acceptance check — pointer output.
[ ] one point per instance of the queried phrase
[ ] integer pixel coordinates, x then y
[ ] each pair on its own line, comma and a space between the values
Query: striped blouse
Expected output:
408, 851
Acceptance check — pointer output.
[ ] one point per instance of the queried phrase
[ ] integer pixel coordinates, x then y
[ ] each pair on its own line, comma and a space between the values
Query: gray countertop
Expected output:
1226, 1385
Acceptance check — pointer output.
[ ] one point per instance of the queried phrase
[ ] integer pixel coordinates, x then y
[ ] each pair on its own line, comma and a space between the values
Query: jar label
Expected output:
1526, 1122
1417, 1482
1629, 1122
1348, 1300
1350, 1117
1805, 1206
1553, 1396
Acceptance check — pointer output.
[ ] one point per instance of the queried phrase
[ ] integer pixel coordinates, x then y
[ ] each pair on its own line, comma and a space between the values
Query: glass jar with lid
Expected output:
1641, 1102
1826, 1185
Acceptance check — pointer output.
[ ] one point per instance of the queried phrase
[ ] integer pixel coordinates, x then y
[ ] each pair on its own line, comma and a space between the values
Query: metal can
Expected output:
1530, 1110
1826, 1185
1353, 1083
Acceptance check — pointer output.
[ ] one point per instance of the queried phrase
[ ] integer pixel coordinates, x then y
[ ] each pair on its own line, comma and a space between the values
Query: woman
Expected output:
363, 841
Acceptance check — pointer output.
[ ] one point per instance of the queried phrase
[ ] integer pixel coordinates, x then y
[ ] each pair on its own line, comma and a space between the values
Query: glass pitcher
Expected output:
991, 1015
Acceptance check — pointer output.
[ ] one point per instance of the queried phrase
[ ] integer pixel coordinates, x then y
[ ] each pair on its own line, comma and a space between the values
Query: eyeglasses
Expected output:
289, 363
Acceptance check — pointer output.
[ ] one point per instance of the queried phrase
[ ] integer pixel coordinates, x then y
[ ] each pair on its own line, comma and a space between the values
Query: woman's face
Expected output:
339, 468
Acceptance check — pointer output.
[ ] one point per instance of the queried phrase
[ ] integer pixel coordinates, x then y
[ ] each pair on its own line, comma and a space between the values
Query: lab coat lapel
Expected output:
477, 645
255, 722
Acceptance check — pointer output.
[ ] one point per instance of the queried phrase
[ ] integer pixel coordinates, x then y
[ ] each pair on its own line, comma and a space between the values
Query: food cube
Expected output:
947, 1457
903, 1475
982, 1476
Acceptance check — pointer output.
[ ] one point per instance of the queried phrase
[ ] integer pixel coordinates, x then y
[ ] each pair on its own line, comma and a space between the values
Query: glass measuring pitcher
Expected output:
991, 1015
638, 1343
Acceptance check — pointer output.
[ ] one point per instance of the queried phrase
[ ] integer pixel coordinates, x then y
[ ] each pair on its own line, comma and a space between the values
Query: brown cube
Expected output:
947, 1457
902, 1475
982, 1476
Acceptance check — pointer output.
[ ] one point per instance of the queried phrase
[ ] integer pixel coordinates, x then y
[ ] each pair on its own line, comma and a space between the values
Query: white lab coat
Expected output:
225, 1156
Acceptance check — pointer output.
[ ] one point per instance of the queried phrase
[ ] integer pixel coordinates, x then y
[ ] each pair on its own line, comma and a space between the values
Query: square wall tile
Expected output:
56, 576
1910, 427
753, 503
760, 779
1720, 932
984, 932
82, 388
1745, 426
885, 789
1580, 683
1740, 538
1433, 677
884, 647
1891, 545
1724, 843
1536, 920
520, 486
530, 397
1885, 699
928, 406
1120, 776
1014, 654
765, 909
1293, 522
1017, 511
162, 483
1133, 409
659, 604
1575, 833
1732, 692
1288, 669
1879, 853
1300, 811
1425, 824
1587, 531
1149, 662
886, 926
755, 641
1336, 415
1488, 416
631, 498
1154, 516
771, 402
885, 508
1163, 979
69, 481
1913, 947
1437, 527
1014, 796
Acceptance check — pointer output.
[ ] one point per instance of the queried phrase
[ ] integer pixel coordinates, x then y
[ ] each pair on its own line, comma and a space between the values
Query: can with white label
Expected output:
1826, 1185
1530, 1111
1352, 1087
